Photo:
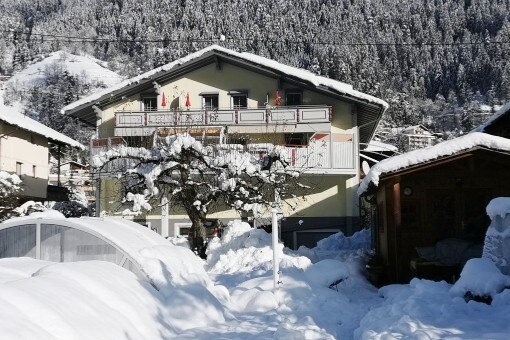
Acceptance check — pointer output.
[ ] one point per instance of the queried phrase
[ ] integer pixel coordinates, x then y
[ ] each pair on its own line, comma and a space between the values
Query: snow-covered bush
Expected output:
480, 278
497, 240
10, 185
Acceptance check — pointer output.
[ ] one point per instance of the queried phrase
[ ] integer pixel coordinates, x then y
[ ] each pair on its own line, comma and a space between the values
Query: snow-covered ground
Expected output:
323, 295
80, 66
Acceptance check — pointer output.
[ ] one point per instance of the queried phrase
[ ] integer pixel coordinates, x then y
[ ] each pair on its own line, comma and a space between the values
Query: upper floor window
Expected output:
239, 101
150, 103
210, 101
18, 168
293, 98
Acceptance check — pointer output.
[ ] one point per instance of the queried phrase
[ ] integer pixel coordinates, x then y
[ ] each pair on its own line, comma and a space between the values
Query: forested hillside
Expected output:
435, 62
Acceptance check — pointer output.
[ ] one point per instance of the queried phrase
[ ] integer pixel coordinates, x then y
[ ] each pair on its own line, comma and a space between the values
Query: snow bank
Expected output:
81, 300
176, 272
428, 310
326, 273
353, 251
243, 249
480, 277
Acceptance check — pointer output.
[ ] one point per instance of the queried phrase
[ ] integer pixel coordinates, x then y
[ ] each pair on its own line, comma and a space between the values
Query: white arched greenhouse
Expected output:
60, 239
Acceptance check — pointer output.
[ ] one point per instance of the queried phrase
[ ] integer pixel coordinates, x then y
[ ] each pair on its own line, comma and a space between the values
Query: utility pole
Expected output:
274, 234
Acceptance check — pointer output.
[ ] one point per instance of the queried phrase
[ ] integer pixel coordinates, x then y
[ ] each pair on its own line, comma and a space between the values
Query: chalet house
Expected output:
241, 98
24, 150
418, 137
429, 214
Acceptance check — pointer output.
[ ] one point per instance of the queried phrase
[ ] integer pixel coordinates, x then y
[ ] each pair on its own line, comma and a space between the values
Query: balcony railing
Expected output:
318, 157
126, 121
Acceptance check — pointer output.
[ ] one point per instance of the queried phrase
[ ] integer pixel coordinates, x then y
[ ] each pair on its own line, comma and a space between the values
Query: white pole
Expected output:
276, 263
164, 216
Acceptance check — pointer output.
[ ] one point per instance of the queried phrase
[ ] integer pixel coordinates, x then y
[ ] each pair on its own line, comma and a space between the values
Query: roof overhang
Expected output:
438, 162
368, 113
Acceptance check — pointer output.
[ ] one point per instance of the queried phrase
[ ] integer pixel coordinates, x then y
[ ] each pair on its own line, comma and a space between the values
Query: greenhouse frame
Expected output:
59, 239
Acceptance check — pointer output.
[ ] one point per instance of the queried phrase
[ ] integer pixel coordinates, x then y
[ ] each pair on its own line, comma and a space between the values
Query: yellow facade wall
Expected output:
229, 78
31, 151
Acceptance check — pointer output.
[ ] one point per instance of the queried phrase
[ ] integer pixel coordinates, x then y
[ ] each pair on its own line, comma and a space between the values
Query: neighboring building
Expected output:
24, 150
72, 174
241, 98
430, 204
418, 137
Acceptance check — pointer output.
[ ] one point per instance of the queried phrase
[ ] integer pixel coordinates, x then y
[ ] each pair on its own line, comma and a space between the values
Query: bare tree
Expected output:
196, 177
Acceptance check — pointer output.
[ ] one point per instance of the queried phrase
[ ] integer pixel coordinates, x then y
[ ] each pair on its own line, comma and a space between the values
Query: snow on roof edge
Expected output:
26, 123
289, 70
446, 148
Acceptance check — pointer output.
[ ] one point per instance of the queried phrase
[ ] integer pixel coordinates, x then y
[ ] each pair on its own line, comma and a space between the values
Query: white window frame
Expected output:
210, 95
237, 94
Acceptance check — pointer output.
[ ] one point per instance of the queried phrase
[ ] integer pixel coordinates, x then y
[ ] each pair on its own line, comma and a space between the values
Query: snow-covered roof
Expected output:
447, 148
369, 111
271, 64
11, 116
505, 109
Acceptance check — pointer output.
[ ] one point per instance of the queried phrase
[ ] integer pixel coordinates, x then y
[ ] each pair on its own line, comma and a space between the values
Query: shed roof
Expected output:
421, 156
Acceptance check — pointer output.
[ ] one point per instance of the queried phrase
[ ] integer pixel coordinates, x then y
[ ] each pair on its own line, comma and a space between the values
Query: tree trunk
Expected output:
198, 234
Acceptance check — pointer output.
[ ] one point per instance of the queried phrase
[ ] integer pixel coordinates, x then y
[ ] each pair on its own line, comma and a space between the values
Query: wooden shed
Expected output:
430, 205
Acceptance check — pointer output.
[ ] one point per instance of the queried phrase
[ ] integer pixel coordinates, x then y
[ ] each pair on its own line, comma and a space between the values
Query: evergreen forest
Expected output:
440, 63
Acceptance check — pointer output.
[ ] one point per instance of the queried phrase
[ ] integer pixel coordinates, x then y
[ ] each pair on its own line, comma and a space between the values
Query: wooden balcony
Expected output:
143, 123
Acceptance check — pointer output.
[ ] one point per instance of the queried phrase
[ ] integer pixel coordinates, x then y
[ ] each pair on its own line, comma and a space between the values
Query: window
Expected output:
239, 101
18, 241
150, 103
210, 101
297, 139
64, 244
18, 168
293, 98
33, 170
